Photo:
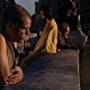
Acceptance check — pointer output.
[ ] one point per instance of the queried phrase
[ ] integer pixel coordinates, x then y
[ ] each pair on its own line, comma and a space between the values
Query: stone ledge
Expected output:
52, 72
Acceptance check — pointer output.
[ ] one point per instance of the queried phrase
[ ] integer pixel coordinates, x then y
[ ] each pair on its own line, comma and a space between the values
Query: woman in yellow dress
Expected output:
47, 43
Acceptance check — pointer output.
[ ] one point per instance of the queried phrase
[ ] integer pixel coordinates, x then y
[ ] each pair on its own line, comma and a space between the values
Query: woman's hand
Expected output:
58, 50
16, 76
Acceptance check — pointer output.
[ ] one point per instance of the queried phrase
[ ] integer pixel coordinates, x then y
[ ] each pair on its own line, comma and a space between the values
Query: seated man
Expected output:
63, 38
15, 28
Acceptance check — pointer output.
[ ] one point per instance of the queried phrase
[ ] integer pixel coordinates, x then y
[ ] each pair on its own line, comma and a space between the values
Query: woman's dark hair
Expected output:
48, 10
15, 15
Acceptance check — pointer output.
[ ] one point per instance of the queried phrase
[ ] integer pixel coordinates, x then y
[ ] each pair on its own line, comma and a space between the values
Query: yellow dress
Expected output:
48, 38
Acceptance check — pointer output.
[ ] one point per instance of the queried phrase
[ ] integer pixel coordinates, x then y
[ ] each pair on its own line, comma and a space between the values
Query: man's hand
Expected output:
16, 76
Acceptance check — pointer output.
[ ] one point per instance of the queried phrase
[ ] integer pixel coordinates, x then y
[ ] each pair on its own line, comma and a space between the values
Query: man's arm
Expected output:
4, 66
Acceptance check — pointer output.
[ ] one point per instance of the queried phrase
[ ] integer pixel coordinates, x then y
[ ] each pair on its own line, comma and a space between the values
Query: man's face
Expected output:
67, 31
24, 31
16, 33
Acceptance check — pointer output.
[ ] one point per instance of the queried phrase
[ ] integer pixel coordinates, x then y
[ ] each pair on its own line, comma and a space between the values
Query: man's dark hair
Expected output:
64, 26
15, 15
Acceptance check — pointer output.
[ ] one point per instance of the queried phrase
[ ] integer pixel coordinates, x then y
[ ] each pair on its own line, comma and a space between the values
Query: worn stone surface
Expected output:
52, 72
85, 68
